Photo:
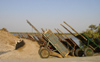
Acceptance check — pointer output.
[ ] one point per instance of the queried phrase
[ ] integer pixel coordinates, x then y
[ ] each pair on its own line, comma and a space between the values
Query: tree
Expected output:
93, 27
88, 33
94, 33
98, 30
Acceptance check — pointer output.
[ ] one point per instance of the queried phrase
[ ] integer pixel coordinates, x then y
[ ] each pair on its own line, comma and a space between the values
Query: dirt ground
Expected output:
29, 52
7, 41
8, 44
72, 59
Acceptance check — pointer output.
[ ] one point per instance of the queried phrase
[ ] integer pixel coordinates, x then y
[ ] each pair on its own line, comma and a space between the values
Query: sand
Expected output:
30, 51
8, 43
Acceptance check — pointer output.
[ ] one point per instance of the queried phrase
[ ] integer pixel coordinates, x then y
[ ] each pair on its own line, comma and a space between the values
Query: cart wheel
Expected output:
79, 52
44, 53
40, 50
88, 52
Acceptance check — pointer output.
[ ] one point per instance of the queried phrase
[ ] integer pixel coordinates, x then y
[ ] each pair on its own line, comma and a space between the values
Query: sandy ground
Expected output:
73, 59
29, 52
7, 41
8, 44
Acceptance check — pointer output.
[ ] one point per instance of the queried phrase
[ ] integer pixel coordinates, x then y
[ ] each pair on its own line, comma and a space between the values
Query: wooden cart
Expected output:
90, 45
56, 45
74, 49
49, 42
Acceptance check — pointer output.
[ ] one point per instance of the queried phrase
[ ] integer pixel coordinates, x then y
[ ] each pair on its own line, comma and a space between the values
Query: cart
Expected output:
74, 49
89, 46
55, 45
49, 42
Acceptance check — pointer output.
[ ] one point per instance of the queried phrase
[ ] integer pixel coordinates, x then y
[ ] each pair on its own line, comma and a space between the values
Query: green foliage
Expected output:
94, 33
88, 33
98, 30
93, 27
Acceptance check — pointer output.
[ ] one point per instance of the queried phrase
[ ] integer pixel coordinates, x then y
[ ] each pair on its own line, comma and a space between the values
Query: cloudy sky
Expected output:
48, 14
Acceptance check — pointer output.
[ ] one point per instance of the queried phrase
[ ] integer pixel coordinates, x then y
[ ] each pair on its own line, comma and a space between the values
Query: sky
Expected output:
48, 14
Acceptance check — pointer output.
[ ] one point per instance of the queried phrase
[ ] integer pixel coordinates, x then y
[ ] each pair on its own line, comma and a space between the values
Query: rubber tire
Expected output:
79, 52
72, 53
76, 52
86, 51
42, 54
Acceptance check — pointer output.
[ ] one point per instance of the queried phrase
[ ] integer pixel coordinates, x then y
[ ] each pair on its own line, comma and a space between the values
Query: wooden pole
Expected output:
58, 35
37, 32
67, 29
63, 37
33, 27
71, 27
67, 37
75, 30
57, 31
42, 30
63, 33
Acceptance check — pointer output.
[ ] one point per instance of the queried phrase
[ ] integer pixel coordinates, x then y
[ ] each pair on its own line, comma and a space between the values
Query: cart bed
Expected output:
56, 43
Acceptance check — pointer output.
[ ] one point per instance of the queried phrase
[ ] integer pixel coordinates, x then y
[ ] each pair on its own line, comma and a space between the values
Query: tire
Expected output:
72, 53
88, 52
79, 52
44, 53
39, 51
